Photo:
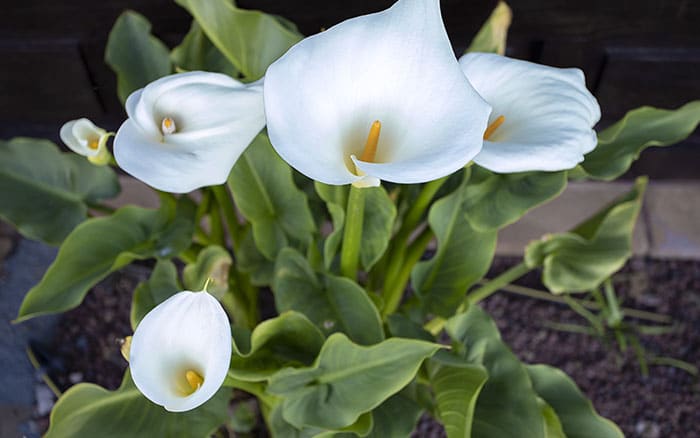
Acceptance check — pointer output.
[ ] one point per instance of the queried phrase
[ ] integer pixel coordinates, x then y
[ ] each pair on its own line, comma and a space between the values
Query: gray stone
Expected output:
22, 270
14, 421
579, 201
134, 192
673, 214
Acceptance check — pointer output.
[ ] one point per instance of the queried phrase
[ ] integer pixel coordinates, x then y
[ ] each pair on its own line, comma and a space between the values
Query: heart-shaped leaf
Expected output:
45, 192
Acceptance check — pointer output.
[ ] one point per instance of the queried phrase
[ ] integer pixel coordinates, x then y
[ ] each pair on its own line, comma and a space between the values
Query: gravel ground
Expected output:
664, 404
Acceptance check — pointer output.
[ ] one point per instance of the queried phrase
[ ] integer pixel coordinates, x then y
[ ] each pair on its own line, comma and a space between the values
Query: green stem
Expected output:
225, 202
47, 380
254, 388
615, 315
395, 256
352, 234
669, 361
586, 314
397, 284
548, 296
422, 202
203, 205
494, 285
217, 228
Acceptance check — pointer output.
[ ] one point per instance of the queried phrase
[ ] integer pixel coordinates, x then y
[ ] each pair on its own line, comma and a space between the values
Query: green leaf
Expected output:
288, 340
456, 384
552, 424
583, 258
507, 404
336, 199
136, 56
463, 256
576, 413
333, 303
177, 233
262, 186
281, 428
395, 418
492, 200
196, 52
162, 284
88, 410
102, 245
46, 192
212, 266
251, 261
377, 223
251, 40
620, 144
347, 380
492, 36
401, 326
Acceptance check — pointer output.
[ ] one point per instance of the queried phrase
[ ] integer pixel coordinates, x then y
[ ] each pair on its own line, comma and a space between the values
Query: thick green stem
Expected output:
352, 234
422, 202
397, 284
216, 234
494, 285
396, 254
235, 231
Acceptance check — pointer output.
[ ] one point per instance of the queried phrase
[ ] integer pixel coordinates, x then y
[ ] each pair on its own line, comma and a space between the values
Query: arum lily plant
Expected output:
379, 142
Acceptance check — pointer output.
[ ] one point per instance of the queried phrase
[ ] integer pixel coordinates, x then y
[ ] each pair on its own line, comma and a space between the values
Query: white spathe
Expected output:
549, 113
397, 67
84, 138
187, 130
189, 332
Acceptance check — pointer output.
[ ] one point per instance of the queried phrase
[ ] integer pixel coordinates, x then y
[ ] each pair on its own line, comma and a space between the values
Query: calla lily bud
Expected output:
84, 138
377, 97
187, 130
542, 117
180, 351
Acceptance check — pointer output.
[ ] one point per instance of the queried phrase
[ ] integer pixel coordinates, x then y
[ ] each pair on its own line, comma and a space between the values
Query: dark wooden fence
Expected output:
634, 52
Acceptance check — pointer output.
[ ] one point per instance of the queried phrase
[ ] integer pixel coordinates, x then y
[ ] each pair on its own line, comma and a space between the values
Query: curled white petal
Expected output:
188, 332
549, 113
83, 137
396, 66
211, 119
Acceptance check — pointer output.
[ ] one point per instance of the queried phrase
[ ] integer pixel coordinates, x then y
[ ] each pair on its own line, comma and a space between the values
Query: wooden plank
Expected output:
84, 18
665, 77
44, 81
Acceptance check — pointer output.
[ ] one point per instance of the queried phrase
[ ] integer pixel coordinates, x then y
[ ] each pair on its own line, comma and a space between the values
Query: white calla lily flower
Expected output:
377, 97
542, 117
187, 130
84, 138
181, 350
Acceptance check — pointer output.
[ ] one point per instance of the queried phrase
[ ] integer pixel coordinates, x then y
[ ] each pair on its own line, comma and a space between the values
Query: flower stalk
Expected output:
352, 234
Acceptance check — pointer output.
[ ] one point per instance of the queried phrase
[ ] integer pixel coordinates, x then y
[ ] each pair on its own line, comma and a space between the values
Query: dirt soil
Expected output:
664, 404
